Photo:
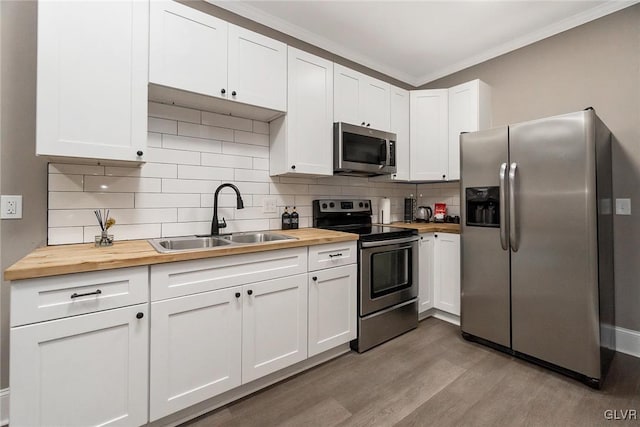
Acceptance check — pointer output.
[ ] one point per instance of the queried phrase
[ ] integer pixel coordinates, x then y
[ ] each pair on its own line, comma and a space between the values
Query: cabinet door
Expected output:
463, 117
346, 96
429, 135
310, 114
83, 370
92, 79
332, 307
257, 69
400, 126
447, 269
195, 349
274, 325
188, 49
375, 103
426, 273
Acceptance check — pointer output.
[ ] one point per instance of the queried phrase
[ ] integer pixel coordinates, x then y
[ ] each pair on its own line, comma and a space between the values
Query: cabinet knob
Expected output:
444, 176
362, 124
368, 124
139, 153
421, 238
237, 294
140, 315
249, 292
435, 235
293, 166
223, 91
233, 93
315, 278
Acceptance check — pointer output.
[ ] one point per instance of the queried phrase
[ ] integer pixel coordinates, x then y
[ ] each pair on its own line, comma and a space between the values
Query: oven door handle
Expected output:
390, 242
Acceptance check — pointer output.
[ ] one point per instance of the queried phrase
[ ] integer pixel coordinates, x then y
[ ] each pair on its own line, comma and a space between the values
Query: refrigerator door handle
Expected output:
513, 235
503, 206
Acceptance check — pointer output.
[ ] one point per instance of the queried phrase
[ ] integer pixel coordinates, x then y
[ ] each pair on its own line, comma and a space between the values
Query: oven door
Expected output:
388, 273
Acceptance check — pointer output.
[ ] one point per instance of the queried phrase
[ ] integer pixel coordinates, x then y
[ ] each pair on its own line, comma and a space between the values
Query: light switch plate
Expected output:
269, 205
623, 206
11, 207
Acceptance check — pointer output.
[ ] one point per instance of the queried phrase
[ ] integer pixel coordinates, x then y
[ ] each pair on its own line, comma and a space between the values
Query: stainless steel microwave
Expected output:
361, 151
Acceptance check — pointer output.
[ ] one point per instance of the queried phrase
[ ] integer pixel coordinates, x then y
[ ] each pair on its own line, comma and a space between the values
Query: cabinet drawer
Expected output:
37, 300
332, 255
190, 277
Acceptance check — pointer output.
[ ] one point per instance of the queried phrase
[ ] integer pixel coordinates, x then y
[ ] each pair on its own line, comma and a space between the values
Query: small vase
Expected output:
104, 239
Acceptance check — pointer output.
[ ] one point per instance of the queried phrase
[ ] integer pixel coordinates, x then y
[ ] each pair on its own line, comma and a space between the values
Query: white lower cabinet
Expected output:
440, 272
332, 307
274, 325
83, 370
196, 349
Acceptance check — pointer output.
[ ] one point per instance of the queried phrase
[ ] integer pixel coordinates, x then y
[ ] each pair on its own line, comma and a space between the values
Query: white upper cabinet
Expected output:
92, 80
400, 126
429, 135
302, 141
188, 49
469, 111
196, 52
360, 99
257, 69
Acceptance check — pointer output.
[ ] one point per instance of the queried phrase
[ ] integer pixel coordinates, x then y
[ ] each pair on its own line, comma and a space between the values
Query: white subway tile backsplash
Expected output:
68, 169
173, 112
251, 138
189, 154
245, 150
121, 184
162, 125
85, 200
227, 161
189, 186
202, 131
60, 182
161, 155
226, 121
147, 170
166, 200
260, 127
204, 172
177, 142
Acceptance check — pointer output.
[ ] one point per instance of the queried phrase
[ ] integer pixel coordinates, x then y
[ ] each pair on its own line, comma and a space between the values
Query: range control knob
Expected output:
324, 206
366, 205
332, 205
361, 204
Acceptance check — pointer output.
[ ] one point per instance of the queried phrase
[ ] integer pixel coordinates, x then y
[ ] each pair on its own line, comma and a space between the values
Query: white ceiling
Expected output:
419, 41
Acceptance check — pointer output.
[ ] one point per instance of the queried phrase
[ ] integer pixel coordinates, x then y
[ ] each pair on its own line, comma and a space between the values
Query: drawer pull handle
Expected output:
334, 255
315, 278
140, 315
76, 295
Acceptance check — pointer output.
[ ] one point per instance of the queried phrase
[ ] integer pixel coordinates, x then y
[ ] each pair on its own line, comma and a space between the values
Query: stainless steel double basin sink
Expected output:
175, 244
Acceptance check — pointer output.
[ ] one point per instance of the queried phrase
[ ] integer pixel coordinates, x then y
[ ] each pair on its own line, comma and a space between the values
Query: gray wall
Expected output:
21, 172
598, 65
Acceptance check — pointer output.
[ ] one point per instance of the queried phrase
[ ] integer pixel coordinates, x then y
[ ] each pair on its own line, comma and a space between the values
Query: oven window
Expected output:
390, 271
363, 149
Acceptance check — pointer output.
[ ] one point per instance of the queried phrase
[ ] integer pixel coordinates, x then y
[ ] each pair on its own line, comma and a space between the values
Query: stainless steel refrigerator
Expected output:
537, 242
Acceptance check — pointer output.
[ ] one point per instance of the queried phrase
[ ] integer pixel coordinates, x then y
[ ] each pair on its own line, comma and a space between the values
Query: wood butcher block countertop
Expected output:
64, 259
429, 227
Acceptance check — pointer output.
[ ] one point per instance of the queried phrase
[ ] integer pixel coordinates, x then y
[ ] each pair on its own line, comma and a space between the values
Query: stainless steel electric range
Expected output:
387, 270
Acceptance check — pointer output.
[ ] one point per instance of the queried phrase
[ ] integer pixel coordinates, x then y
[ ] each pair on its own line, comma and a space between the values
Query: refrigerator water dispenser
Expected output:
483, 206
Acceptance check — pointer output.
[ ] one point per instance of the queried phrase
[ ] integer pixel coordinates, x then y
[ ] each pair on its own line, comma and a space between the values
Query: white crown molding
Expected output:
543, 33
261, 17
279, 24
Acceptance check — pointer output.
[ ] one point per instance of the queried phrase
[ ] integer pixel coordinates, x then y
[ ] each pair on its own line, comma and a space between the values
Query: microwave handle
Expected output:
384, 152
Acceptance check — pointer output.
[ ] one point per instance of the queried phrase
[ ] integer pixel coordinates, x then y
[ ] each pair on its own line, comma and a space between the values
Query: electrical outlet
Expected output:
269, 205
11, 207
623, 206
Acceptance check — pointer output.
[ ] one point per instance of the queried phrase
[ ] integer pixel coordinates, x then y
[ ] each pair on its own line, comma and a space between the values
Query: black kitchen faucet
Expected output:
215, 225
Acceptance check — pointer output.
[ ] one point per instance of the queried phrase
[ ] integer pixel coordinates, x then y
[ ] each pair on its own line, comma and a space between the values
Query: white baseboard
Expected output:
4, 407
439, 314
627, 341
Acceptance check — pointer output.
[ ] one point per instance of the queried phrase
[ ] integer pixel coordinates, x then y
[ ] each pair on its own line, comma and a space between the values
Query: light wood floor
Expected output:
432, 377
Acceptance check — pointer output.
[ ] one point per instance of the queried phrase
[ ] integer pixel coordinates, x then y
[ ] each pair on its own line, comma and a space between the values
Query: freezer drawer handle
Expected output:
76, 295
503, 206
513, 226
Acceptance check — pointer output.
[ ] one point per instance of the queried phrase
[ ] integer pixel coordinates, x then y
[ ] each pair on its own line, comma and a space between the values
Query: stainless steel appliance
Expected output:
423, 213
387, 270
537, 242
361, 151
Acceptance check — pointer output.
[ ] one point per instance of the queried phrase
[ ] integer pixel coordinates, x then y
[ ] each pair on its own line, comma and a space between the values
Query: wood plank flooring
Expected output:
432, 377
